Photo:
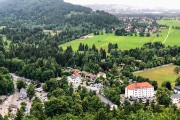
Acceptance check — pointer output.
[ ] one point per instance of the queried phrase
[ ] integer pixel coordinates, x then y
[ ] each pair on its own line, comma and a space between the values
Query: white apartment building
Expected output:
139, 90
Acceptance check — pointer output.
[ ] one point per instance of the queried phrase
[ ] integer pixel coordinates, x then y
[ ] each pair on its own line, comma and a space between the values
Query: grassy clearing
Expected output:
1, 27
7, 41
164, 73
124, 42
52, 32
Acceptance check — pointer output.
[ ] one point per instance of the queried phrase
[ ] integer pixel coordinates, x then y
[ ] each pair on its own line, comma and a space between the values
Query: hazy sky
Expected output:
173, 4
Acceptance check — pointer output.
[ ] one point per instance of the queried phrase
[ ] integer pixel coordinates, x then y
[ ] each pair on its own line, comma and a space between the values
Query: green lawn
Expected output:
164, 73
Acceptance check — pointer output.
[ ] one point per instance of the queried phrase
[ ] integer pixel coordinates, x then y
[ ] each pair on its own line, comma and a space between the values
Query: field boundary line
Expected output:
153, 68
166, 36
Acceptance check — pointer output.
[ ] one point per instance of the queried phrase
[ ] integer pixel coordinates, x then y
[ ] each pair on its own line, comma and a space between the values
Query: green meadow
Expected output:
8, 42
169, 22
174, 36
163, 73
129, 42
124, 42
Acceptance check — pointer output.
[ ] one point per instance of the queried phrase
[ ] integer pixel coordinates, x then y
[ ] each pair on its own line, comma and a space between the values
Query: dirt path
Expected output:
167, 36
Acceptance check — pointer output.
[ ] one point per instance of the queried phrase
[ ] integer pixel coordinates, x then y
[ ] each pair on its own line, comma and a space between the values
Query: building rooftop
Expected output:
101, 73
76, 71
76, 75
177, 87
175, 95
139, 86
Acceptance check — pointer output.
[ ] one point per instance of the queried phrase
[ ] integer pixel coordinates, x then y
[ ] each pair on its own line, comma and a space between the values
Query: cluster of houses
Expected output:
77, 79
81, 78
130, 27
23, 91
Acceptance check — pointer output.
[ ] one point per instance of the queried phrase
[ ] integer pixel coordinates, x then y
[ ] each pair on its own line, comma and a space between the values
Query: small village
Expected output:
135, 91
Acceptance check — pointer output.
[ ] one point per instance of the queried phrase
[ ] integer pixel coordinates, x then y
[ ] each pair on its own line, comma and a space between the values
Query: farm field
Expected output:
128, 42
169, 22
163, 73
124, 42
174, 36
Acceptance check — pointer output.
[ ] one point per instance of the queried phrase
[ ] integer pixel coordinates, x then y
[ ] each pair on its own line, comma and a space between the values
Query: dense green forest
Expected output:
6, 82
33, 54
37, 56
74, 21
27, 51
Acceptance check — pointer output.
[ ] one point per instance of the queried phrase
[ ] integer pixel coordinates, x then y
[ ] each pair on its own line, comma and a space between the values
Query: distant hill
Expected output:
53, 14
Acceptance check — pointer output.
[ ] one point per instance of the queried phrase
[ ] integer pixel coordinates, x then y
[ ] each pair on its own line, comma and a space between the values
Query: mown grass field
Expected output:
164, 73
174, 36
124, 42
128, 42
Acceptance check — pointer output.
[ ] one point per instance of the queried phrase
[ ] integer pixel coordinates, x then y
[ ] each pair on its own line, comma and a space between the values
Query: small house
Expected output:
75, 71
39, 90
101, 74
175, 98
23, 94
177, 89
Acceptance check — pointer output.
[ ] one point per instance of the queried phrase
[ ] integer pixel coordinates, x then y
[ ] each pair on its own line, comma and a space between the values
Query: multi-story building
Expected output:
139, 90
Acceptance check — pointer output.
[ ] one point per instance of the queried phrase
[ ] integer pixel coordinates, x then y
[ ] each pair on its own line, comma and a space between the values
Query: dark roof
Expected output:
177, 87
175, 95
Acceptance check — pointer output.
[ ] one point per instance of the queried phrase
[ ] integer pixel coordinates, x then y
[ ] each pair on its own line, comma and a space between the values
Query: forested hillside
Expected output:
52, 14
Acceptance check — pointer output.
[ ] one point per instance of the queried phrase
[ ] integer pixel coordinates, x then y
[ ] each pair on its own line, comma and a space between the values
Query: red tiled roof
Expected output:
101, 73
122, 64
76, 75
139, 86
76, 70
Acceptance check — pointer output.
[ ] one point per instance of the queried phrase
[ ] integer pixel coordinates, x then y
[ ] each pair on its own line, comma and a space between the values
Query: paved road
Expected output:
105, 100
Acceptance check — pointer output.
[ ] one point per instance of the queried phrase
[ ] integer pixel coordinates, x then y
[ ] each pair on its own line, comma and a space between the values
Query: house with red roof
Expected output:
122, 64
101, 74
139, 90
75, 71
